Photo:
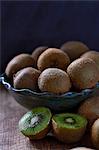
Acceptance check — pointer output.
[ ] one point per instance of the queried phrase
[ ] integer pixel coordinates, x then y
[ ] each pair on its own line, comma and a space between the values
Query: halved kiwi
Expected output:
35, 124
68, 127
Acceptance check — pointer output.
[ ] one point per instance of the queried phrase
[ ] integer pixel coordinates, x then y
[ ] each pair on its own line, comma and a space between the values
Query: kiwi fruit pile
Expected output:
59, 70
55, 70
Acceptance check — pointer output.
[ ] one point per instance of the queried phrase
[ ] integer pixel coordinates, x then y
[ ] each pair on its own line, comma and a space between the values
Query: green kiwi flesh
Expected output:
68, 120
68, 127
35, 123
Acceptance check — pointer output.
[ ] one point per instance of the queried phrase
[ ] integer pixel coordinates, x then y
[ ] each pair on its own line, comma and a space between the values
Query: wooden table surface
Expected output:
12, 139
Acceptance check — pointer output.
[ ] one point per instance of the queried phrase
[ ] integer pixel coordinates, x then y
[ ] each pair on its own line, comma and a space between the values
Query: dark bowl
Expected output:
30, 99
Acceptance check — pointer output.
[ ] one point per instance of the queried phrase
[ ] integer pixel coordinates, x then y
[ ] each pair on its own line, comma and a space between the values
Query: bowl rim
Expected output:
69, 94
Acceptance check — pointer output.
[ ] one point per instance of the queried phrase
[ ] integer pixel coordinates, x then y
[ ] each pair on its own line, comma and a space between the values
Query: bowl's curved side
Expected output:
55, 104
30, 99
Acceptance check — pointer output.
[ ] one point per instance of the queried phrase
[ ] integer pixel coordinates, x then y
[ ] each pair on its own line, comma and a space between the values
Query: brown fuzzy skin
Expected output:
92, 55
81, 148
53, 58
83, 73
95, 134
26, 78
17, 63
90, 109
54, 80
37, 52
67, 135
74, 49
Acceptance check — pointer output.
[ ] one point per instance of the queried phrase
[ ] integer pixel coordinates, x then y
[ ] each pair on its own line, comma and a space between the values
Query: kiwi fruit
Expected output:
53, 58
94, 55
83, 73
37, 52
26, 78
81, 148
95, 134
54, 80
68, 127
74, 49
35, 124
90, 109
17, 63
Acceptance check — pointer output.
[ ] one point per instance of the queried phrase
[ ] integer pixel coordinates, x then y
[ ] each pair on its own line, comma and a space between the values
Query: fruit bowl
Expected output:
30, 99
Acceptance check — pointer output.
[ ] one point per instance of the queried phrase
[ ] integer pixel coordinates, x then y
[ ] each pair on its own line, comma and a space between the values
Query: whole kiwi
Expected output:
90, 109
54, 80
53, 58
74, 49
95, 134
94, 55
26, 78
17, 63
37, 52
83, 73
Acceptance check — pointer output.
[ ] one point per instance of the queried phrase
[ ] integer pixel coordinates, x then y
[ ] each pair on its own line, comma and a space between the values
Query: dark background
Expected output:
26, 25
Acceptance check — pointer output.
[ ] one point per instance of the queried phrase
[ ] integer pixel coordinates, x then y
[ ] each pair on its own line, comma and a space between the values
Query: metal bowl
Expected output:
30, 99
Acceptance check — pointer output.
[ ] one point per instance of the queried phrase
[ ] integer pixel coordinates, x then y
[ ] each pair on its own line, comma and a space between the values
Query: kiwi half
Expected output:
35, 124
68, 127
